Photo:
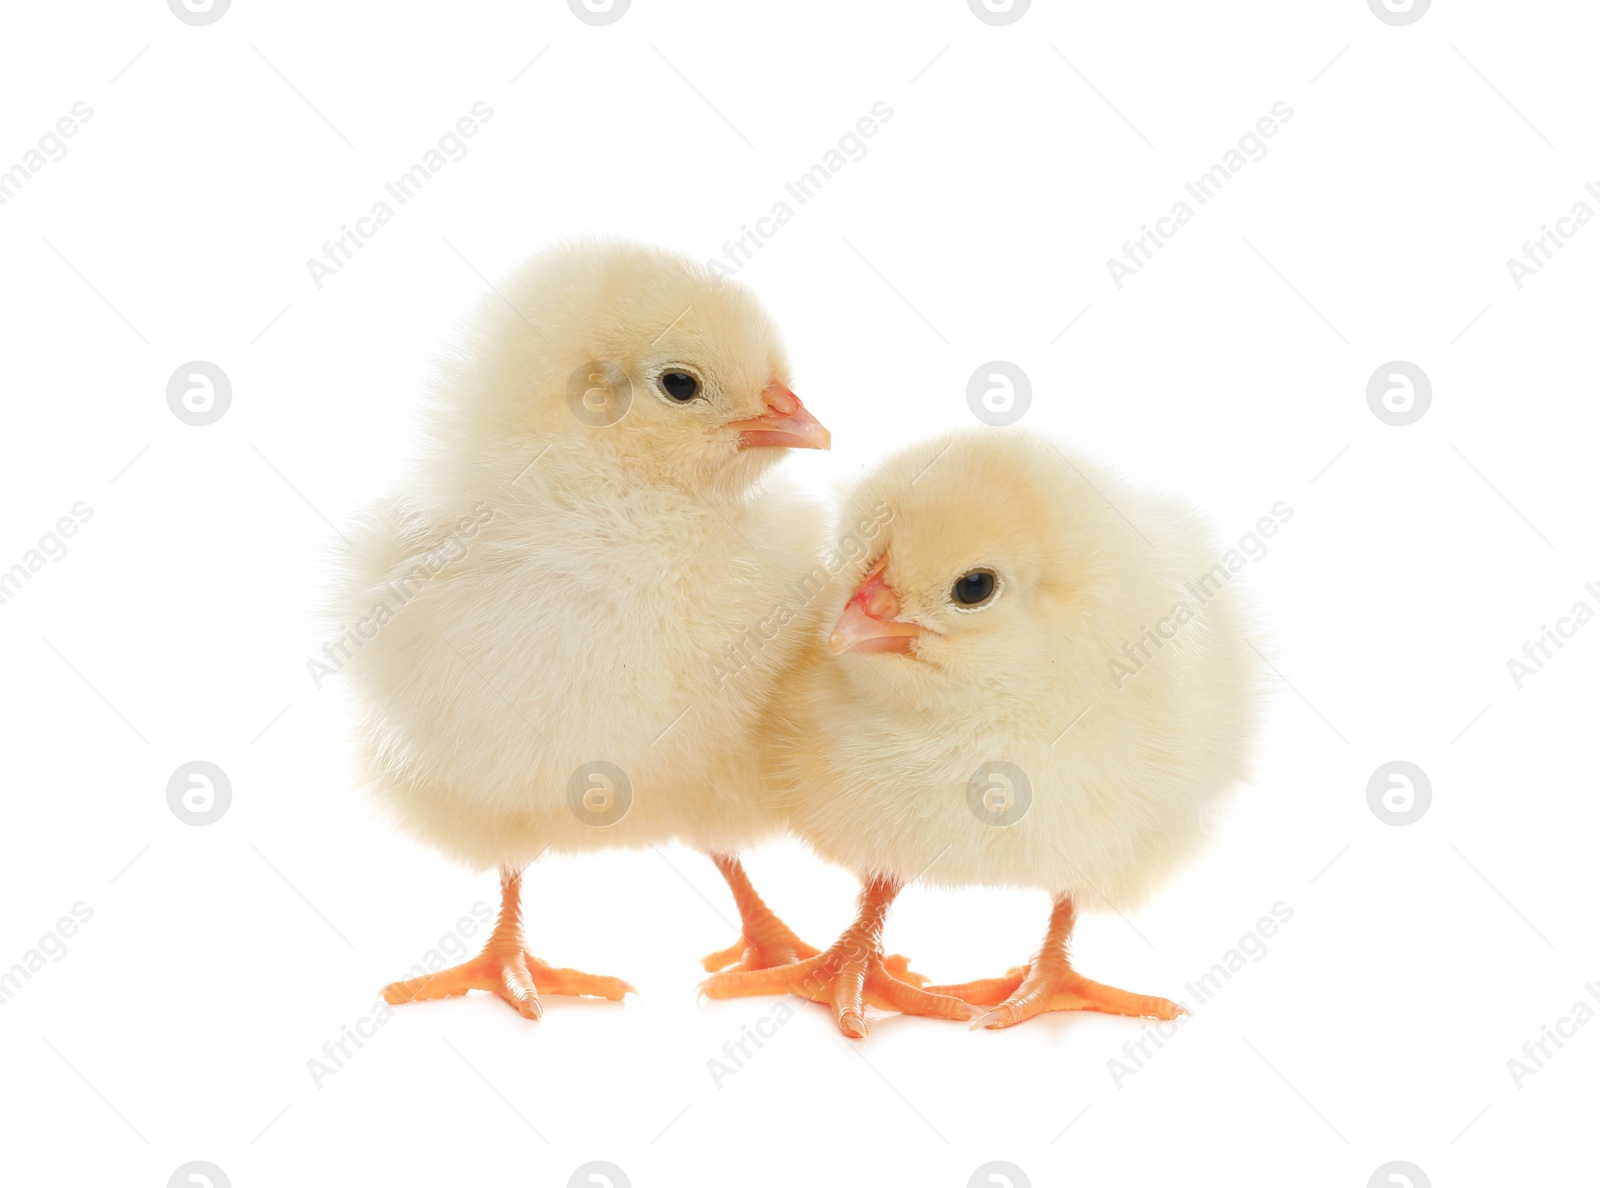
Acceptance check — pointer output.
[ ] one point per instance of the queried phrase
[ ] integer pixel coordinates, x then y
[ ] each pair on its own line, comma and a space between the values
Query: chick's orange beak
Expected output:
869, 622
785, 423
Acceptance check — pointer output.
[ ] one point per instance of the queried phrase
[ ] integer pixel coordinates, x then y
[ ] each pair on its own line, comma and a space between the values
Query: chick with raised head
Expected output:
541, 619
1041, 680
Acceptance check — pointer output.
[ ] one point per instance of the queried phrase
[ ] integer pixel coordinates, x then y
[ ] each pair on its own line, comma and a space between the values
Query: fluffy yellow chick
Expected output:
1041, 680
562, 626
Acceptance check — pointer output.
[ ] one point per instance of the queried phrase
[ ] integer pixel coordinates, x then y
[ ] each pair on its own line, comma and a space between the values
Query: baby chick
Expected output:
1041, 680
561, 621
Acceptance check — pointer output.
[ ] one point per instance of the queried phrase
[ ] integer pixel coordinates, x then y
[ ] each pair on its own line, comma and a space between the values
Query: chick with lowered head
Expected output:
973, 717
590, 521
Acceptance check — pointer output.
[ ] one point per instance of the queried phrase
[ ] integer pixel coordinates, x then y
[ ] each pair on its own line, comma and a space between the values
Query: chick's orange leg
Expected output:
506, 968
765, 940
850, 976
1049, 983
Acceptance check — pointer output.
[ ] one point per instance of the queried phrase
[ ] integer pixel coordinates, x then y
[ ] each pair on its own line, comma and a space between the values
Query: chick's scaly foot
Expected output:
771, 949
1039, 987
765, 941
505, 968
741, 956
1022, 994
1049, 983
515, 976
850, 976
746, 955
848, 979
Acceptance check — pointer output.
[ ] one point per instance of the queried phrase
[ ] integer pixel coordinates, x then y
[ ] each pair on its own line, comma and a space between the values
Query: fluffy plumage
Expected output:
1125, 751
1022, 688
559, 587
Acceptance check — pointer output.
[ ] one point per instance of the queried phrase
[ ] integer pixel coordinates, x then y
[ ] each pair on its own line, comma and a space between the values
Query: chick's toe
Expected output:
506, 969
852, 975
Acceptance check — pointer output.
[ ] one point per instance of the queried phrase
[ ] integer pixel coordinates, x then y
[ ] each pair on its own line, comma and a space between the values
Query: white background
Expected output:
1233, 369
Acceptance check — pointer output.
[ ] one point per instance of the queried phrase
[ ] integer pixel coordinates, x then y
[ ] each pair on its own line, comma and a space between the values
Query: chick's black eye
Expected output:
680, 385
973, 589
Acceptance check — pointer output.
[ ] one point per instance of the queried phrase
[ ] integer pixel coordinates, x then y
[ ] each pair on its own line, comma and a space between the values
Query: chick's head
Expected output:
1002, 576
641, 355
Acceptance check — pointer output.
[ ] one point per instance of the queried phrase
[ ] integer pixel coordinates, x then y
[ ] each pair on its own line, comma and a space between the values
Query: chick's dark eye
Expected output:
680, 385
973, 589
